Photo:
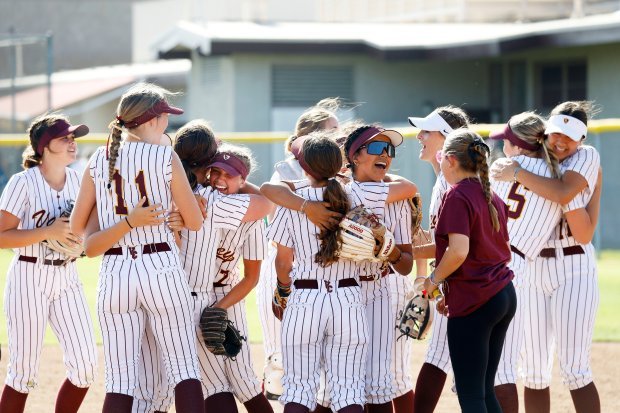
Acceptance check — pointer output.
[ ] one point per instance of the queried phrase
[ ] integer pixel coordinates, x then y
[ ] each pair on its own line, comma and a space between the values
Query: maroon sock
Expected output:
537, 401
322, 409
508, 397
295, 408
586, 399
70, 397
404, 403
12, 401
428, 388
352, 408
222, 403
117, 403
379, 408
258, 404
188, 397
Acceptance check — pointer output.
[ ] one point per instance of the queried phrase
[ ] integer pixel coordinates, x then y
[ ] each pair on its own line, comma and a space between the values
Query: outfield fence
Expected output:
268, 148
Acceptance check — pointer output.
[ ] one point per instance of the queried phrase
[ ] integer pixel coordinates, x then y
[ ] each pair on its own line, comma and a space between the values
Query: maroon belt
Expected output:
33, 260
314, 284
146, 249
385, 272
516, 251
550, 252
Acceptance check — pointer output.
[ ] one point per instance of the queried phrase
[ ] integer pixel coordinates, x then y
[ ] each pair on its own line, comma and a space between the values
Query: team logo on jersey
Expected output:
225, 255
42, 218
328, 286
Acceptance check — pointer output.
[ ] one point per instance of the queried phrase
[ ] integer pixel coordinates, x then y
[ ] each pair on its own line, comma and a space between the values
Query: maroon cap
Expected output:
507, 133
230, 163
297, 151
160, 107
395, 137
59, 129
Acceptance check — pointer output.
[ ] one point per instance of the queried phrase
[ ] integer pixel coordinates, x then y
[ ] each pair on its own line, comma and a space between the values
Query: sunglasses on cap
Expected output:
377, 148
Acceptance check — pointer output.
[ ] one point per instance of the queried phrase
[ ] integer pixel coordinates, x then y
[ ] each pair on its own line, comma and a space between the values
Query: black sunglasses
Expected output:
377, 148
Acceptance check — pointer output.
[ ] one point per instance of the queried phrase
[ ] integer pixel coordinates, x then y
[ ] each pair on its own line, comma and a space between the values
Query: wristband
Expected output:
431, 278
127, 221
514, 174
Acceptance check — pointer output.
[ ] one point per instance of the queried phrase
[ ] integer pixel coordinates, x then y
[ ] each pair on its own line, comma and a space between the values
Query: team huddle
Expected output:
329, 244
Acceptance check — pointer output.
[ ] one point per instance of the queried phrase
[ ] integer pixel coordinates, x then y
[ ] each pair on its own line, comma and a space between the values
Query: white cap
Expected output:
433, 122
569, 126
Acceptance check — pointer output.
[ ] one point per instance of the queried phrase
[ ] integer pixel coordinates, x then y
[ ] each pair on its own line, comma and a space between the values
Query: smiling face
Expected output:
431, 142
372, 168
62, 150
562, 146
224, 182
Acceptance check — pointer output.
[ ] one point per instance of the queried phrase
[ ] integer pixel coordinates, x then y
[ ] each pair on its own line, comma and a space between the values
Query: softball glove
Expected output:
364, 237
219, 333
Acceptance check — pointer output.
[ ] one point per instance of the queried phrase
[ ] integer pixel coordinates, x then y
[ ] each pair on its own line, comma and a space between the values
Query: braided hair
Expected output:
472, 155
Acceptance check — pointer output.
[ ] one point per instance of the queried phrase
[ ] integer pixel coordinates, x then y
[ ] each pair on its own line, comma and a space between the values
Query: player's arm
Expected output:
98, 241
401, 259
86, 201
561, 190
424, 251
421, 264
284, 264
251, 273
453, 258
280, 193
259, 207
583, 221
399, 188
183, 196
11, 237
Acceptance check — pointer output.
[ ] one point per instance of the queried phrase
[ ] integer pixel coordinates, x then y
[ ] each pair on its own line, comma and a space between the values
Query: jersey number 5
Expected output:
121, 206
516, 207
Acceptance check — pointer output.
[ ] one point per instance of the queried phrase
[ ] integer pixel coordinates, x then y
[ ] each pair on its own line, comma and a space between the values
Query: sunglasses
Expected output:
377, 148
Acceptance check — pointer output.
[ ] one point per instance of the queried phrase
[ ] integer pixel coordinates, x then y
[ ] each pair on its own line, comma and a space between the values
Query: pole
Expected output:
13, 75
50, 67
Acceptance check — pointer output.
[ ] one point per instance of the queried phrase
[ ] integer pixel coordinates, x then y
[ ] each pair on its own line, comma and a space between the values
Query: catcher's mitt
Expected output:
219, 333
364, 237
280, 297
69, 251
416, 213
417, 317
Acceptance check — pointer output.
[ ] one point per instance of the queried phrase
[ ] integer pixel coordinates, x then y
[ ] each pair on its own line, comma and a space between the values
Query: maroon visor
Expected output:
160, 107
231, 164
507, 133
59, 129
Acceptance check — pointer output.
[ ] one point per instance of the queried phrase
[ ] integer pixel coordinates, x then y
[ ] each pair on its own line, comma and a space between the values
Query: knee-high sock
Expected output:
12, 401
70, 397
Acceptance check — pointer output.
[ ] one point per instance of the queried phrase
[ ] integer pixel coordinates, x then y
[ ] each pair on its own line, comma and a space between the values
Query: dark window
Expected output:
559, 82
300, 86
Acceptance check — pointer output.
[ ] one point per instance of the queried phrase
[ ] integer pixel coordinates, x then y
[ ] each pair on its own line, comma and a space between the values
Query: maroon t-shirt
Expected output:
484, 272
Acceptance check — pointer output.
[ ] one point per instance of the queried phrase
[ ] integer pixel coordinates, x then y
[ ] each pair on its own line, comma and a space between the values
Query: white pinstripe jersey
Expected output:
142, 169
439, 189
531, 218
586, 161
373, 196
398, 217
294, 230
199, 248
29, 197
248, 241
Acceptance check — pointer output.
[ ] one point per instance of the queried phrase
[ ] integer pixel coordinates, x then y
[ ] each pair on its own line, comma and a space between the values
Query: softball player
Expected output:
322, 116
142, 277
565, 270
324, 320
433, 130
531, 219
42, 284
195, 144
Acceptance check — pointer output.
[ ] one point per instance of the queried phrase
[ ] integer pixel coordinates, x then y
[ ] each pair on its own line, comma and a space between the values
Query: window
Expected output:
559, 82
303, 86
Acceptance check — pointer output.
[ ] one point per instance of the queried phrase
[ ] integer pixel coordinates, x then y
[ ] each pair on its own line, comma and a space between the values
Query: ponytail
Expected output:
483, 174
331, 239
115, 137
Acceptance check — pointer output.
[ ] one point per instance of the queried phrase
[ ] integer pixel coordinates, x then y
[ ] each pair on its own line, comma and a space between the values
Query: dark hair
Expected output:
454, 116
582, 110
471, 153
196, 146
349, 141
35, 131
323, 156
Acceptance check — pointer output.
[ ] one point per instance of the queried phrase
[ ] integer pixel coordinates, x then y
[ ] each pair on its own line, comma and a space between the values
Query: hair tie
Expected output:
120, 121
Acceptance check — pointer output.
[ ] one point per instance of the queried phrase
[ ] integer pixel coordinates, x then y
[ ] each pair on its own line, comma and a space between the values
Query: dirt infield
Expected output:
605, 361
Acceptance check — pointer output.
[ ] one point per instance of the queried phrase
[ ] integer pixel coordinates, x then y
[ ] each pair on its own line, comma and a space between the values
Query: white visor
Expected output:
433, 123
569, 126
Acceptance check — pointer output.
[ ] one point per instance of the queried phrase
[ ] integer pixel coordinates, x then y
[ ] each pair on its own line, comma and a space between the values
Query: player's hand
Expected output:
320, 215
429, 287
202, 204
142, 215
175, 221
60, 231
503, 170
441, 306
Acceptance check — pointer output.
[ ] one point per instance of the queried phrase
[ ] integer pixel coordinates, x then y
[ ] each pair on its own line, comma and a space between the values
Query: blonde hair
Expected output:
530, 128
454, 116
138, 99
472, 153
30, 157
314, 118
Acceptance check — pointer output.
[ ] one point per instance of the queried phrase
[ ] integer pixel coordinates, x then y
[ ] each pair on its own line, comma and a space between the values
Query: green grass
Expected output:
607, 327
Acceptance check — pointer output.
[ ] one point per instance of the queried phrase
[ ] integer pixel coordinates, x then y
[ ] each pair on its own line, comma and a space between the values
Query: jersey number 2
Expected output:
121, 205
516, 208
